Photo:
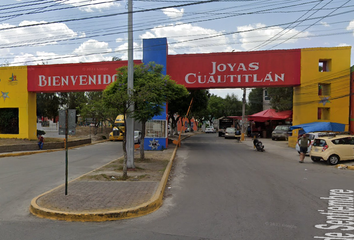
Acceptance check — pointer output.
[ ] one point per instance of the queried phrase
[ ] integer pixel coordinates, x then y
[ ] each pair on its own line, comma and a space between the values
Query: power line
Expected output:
285, 30
312, 24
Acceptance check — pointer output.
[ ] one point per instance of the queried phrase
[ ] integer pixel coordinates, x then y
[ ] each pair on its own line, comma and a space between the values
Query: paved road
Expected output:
22, 178
219, 189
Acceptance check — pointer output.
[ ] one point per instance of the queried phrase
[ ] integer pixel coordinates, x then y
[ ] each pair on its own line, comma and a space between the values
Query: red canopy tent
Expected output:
270, 114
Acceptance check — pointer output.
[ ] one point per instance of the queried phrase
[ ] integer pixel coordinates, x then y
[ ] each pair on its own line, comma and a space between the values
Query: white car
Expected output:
210, 130
312, 136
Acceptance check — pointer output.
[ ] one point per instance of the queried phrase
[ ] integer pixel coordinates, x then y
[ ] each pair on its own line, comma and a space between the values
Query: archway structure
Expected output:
320, 94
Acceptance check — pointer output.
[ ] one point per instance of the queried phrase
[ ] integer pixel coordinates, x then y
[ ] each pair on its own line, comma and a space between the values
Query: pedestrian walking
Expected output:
304, 143
40, 142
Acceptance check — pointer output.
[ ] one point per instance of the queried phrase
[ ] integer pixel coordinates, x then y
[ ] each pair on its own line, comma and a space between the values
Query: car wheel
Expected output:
315, 159
273, 138
333, 160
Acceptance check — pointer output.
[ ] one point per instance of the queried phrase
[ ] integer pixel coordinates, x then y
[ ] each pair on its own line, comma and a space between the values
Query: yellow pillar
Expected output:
14, 94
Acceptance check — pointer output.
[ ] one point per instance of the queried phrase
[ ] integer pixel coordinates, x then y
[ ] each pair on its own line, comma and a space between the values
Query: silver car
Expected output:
230, 132
137, 137
281, 132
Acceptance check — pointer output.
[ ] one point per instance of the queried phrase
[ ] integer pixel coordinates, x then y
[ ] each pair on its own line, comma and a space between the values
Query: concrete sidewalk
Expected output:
102, 201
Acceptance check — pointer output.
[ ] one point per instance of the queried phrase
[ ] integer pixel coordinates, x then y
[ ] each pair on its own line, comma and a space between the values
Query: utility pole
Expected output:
130, 121
243, 115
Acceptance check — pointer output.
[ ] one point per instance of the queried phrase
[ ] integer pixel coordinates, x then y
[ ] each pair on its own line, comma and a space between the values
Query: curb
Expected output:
45, 150
153, 204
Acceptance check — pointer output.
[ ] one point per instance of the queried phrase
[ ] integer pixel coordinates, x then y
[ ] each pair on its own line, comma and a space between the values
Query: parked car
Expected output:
210, 130
333, 149
230, 132
137, 137
281, 132
311, 136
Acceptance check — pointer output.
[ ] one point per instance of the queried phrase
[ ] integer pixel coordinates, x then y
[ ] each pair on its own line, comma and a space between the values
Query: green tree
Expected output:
232, 106
199, 104
255, 101
151, 92
72, 100
177, 105
95, 108
215, 107
281, 98
116, 96
47, 104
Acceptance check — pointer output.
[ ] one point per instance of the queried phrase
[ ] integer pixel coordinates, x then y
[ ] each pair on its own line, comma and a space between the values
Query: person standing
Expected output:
304, 143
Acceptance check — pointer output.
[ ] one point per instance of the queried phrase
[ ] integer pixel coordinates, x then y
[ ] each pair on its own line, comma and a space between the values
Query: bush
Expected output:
40, 132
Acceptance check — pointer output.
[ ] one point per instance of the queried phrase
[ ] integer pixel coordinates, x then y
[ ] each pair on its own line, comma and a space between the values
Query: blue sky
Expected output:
72, 31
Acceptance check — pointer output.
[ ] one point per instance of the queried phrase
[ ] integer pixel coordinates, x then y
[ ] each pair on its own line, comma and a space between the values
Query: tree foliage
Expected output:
255, 101
151, 91
95, 108
72, 100
47, 104
232, 106
281, 98
116, 96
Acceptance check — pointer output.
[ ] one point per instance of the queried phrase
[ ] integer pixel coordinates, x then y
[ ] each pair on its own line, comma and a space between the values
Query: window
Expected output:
156, 129
323, 114
319, 143
9, 121
324, 89
324, 65
340, 141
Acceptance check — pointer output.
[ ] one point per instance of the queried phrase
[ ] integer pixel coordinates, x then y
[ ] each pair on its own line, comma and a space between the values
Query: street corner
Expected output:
49, 208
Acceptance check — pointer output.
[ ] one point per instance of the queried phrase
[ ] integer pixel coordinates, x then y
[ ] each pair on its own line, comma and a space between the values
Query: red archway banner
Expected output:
278, 68
73, 77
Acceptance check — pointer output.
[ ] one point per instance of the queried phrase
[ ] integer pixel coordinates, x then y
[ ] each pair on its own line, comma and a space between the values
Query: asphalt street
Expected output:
218, 189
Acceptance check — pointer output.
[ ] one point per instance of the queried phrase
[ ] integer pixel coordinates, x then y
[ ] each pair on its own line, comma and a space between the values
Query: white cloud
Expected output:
343, 45
325, 24
186, 38
173, 13
84, 53
39, 35
351, 26
122, 51
253, 35
92, 5
39, 58
87, 51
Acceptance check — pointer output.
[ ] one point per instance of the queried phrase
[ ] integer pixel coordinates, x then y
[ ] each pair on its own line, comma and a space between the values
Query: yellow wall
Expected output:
306, 99
18, 97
